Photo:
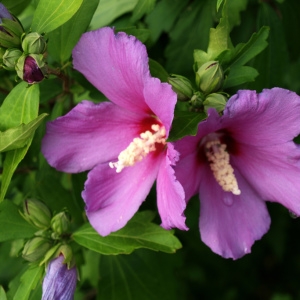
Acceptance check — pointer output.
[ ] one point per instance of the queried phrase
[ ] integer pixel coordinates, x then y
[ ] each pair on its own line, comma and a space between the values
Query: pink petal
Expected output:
273, 172
113, 198
231, 229
116, 64
170, 194
89, 134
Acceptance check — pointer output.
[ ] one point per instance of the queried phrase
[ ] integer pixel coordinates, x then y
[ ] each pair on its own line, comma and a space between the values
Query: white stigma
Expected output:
140, 147
219, 163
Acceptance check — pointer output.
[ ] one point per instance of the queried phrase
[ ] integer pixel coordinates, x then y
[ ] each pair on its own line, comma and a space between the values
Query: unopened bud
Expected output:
215, 100
60, 223
35, 249
10, 58
34, 43
210, 77
182, 87
31, 68
37, 213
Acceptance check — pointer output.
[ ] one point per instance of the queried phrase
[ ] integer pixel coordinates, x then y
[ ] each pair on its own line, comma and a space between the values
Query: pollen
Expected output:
140, 147
219, 163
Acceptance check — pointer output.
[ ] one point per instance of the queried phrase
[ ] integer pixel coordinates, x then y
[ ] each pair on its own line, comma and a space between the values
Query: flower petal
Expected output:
268, 118
170, 194
89, 134
273, 172
113, 198
231, 229
116, 64
161, 99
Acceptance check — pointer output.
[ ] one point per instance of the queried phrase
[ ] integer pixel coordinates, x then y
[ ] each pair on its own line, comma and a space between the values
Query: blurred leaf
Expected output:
219, 3
158, 71
61, 42
109, 10
15, 6
12, 224
143, 275
234, 9
142, 7
240, 75
29, 281
185, 123
138, 233
51, 14
141, 34
18, 137
2, 294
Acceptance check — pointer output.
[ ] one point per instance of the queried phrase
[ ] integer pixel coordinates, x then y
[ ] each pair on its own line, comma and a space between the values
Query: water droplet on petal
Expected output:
228, 199
293, 215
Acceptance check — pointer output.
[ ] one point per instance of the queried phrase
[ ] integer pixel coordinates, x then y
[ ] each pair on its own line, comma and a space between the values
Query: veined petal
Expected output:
268, 118
170, 194
161, 99
113, 198
116, 64
89, 134
273, 172
231, 229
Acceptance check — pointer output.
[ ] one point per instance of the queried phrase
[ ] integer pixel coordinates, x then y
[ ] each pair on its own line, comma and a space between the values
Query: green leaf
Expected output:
141, 8
51, 14
240, 75
109, 10
15, 6
18, 137
141, 34
12, 224
29, 281
2, 294
158, 71
138, 233
61, 42
185, 123
219, 3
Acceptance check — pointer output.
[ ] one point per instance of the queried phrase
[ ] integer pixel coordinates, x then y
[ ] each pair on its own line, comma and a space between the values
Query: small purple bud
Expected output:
4, 13
59, 282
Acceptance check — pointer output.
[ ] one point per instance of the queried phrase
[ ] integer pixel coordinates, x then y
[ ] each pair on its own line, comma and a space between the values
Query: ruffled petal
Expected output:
116, 64
268, 118
170, 194
89, 134
230, 229
161, 99
273, 172
113, 198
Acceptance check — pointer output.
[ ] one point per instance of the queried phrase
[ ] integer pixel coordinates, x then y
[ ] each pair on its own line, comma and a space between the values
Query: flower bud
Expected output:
37, 213
10, 58
59, 281
34, 43
35, 249
60, 223
31, 68
182, 87
217, 101
10, 29
210, 77
196, 101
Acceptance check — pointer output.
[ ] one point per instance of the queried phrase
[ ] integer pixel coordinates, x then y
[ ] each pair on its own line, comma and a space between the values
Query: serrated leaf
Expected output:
158, 71
61, 42
185, 123
51, 14
2, 294
12, 224
29, 281
18, 137
141, 8
240, 75
138, 233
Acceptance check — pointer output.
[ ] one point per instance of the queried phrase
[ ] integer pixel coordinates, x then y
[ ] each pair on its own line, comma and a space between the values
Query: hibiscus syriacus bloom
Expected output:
59, 282
122, 142
238, 161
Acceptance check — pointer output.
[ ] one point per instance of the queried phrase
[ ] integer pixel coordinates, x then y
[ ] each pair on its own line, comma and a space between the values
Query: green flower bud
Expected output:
2, 51
35, 249
31, 68
10, 58
34, 43
210, 77
217, 101
197, 101
37, 213
182, 87
60, 223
